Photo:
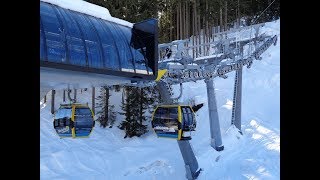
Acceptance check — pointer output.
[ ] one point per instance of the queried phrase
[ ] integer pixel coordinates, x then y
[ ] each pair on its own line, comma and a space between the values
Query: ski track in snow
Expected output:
107, 155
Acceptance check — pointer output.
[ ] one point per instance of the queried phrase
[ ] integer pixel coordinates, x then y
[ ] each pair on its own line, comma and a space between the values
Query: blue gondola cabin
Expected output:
174, 121
73, 120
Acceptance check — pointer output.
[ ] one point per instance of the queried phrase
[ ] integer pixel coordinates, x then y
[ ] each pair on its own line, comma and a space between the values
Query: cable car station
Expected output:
80, 51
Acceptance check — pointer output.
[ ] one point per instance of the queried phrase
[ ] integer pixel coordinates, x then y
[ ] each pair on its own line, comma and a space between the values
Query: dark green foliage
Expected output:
258, 6
137, 104
132, 125
106, 115
117, 88
166, 11
112, 115
103, 103
131, 10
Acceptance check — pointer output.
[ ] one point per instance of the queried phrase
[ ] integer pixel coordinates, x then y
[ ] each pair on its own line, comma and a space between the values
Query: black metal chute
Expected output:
145, 38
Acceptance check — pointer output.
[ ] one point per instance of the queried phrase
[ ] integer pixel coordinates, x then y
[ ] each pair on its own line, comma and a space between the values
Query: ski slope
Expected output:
107, 155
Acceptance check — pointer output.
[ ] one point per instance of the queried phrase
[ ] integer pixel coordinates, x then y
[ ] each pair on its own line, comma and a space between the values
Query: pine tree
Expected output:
103, 104
132, 125
178, 18
137, 108
117, 88
153, 98
112, 115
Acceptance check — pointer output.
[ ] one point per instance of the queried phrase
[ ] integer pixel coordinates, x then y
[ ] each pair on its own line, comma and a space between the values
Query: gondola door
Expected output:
188, 122
63, 123
83, 121
166, 122
188, 118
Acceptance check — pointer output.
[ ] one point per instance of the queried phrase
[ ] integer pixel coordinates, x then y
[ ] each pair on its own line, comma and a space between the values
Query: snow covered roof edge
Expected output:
89, 9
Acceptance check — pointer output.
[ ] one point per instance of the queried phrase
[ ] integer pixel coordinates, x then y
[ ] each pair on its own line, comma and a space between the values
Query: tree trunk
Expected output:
199, 32
199, 28
170, 15
106, 111
207, 27
238, 14
195, 27
203, 35
187, 19
180, 19
141, 114
177, 23
226, 16
211, 31
221, 22
183, 24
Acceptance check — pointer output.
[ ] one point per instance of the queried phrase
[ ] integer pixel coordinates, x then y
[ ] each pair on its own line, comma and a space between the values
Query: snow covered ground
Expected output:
253, 155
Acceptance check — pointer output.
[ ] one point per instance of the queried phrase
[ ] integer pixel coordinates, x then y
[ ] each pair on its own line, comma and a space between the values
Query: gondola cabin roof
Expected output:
73, 104
172, 105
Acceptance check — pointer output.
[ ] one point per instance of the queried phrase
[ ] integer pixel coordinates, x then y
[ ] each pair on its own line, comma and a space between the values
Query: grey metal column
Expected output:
190, 161
64, 96
93, 99
75, 95
237, 93
165, 92
53, 92
216, 141
43, 92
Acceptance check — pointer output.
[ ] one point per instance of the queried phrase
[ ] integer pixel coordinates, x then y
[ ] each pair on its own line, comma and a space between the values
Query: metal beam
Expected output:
43, 91
93, 99
237, 93
75, 95
53, 92
190, 161
215, 133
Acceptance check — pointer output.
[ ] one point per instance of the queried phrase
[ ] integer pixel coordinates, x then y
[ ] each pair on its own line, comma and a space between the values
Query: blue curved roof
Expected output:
76, 41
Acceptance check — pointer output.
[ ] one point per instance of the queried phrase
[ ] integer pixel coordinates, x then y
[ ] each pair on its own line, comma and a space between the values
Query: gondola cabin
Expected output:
174, 121
73, 120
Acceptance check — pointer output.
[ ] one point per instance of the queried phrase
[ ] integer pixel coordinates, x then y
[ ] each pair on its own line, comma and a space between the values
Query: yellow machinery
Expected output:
161, 73
174, 121
73, 120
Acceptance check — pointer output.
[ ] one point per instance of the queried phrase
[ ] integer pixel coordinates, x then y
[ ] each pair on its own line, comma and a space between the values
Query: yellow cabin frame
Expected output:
73, 131
179, 116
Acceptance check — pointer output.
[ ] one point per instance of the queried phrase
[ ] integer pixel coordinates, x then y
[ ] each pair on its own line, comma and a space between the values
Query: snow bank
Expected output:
89, 9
